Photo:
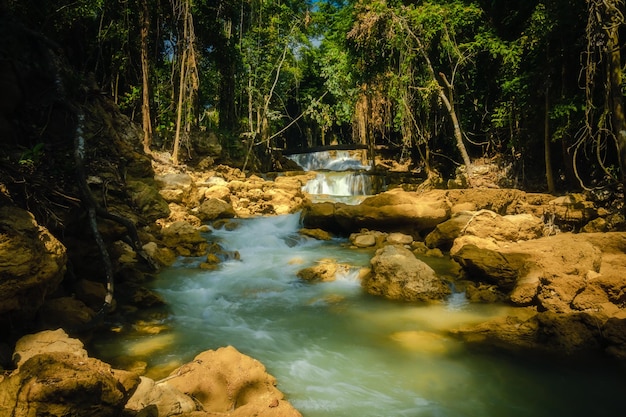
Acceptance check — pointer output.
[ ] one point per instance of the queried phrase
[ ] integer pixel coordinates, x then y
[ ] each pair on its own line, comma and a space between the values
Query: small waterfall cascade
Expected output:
330, 161
339, 184
341, 175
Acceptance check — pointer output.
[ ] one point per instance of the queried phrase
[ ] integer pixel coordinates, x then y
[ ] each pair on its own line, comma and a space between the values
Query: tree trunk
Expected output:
145, 71
458, 135
181, 84
546, 146
617, 100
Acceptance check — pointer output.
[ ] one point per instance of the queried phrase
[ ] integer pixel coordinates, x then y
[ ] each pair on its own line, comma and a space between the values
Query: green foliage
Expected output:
32, 157
282, 60
131, 100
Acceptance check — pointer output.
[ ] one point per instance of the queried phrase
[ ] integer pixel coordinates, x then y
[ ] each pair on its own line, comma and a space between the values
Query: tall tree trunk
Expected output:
546, 145
145, 72
617, 99
448, 101
181, 84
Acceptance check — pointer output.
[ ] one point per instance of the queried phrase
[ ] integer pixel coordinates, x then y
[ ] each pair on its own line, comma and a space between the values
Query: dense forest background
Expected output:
436, 84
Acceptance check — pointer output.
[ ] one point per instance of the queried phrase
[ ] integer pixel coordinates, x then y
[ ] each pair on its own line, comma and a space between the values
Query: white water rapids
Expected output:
338, 352
341, 176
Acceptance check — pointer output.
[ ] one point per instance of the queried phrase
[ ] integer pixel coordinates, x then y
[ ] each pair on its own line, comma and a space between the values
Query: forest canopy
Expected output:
437, 84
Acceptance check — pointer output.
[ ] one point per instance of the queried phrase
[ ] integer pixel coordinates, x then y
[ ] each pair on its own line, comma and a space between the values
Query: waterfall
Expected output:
341, 175
330, 161
342, 184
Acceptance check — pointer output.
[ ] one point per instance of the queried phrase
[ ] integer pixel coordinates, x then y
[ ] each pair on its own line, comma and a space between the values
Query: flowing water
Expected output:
341, 176
338, 352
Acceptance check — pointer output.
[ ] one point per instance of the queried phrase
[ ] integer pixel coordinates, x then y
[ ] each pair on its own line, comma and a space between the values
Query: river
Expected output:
339, 352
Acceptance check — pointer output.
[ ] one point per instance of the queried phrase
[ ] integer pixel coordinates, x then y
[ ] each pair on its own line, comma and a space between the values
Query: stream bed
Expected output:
339, 352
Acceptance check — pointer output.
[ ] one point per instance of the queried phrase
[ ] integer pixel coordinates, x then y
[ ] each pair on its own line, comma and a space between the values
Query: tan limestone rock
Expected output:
228, 382
325, 270
398, 275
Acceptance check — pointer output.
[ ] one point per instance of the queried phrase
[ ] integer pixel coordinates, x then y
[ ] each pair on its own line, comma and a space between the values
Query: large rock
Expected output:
325, 270
540, 332
167, 400
214, 208
32, 265
548, 272
227, 382
146, 198
175, 187
398, 275
55, 377
45, 342
184, 238
485, 223
394, 210
576, 281
67, 312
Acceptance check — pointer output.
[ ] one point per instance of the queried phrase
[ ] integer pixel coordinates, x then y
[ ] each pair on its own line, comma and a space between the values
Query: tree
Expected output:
188, 75
270, 51
145, 73
427, 48
605, 118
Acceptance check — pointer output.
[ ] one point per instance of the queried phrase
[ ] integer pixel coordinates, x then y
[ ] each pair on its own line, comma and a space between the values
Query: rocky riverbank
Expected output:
568, 286
557, 259
87, 218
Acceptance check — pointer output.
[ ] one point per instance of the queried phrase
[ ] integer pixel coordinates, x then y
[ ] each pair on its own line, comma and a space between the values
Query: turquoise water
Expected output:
338, 352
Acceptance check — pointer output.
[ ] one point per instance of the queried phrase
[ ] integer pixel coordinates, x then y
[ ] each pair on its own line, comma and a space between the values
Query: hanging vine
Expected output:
603, 131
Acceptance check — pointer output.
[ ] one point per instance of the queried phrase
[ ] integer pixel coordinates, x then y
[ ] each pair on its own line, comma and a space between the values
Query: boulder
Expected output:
45, 342
325, 270
62, 384
485, 223
321, 215
67, 312
397, 238
214, 208
55, 377
146, 198
363, 240
318, 234
167, 400
368, 238
548, 272
163, 256
547, 332
398, 275
230, 383
394, 210
32, 265
184, 238
391, 211
218, 191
